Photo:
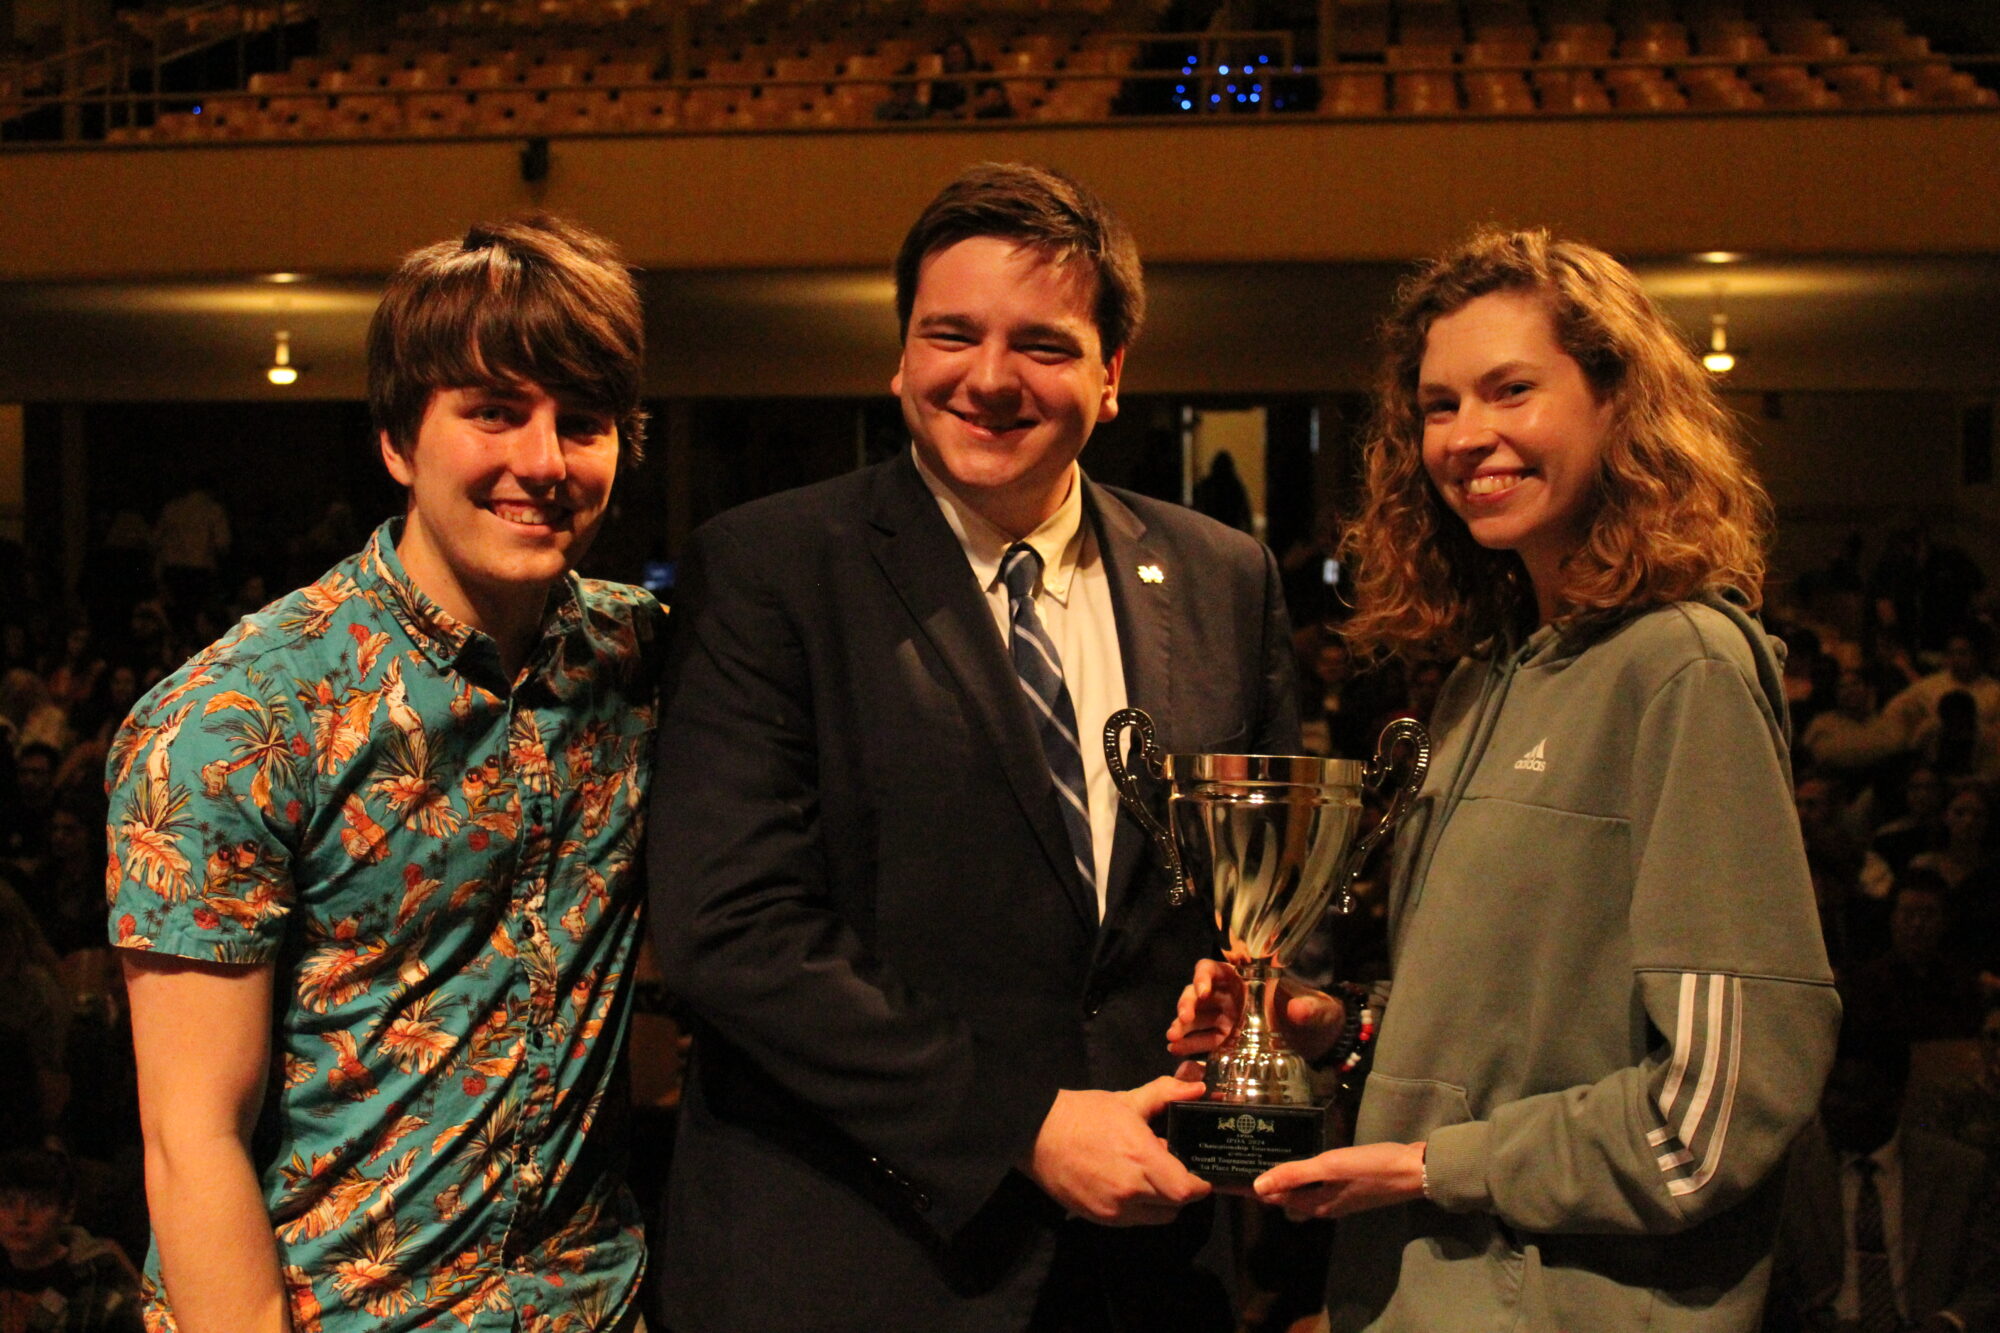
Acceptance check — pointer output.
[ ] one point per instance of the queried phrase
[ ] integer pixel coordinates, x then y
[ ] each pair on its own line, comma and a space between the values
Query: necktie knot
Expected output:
1019, 569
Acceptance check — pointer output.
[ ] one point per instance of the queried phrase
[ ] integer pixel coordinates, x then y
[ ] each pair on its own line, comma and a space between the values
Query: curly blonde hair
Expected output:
1675, 509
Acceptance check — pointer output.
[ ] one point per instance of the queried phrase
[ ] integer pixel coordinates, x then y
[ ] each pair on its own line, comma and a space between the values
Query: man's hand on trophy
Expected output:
1097, 1156
1211, 1005
1345, 1180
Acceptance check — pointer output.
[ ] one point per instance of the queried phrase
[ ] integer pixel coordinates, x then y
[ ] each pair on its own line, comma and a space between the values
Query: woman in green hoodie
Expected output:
1610, 1008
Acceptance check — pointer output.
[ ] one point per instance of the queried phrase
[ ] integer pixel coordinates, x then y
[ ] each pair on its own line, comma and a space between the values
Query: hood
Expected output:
1553, 645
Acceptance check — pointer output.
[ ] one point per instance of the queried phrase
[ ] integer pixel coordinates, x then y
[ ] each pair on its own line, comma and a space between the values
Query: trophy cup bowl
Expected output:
1270, 841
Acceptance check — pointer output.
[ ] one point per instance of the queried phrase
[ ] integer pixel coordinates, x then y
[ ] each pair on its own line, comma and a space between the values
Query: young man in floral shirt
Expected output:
372, 853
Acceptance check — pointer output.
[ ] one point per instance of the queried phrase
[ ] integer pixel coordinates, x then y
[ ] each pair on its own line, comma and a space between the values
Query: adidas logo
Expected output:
1535, 760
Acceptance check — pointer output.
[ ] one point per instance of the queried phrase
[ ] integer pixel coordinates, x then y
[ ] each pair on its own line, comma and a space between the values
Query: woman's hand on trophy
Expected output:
1345, 1180
1208, 1011
1097, 1155
1212, 1004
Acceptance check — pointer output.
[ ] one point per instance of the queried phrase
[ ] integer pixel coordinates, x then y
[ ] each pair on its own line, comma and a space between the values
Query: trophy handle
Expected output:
1128, 791
1404, 730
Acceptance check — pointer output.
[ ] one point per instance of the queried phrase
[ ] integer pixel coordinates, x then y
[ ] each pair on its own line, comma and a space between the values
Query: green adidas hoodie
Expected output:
1611, 1008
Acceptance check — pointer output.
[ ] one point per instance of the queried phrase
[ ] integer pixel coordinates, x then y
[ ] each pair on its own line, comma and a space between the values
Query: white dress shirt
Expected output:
1073, 602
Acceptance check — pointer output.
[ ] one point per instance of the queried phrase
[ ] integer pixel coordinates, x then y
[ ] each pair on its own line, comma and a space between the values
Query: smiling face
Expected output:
507, 488
1003, 376
1513, 433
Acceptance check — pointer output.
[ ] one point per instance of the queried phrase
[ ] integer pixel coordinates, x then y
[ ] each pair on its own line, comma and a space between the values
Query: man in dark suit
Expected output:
1885, 1225
928, 961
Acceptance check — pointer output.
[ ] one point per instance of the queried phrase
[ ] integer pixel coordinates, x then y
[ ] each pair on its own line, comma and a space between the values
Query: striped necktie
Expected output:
1876, 1280
1040, 670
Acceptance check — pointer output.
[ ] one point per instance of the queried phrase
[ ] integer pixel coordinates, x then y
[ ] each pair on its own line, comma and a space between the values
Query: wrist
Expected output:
1355, 1032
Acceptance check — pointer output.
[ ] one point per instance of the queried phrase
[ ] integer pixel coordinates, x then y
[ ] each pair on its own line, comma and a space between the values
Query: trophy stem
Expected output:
1255, 1066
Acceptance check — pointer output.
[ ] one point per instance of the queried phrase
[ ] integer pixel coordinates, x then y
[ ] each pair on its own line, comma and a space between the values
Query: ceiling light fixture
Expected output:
1719, 361
281, 370
1719, 256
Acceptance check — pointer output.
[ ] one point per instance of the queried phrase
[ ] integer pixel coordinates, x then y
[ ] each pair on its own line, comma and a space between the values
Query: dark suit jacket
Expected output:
865, 897
1949, 1254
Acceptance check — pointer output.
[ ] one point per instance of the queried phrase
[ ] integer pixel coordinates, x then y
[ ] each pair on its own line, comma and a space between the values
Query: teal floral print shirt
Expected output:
442, 867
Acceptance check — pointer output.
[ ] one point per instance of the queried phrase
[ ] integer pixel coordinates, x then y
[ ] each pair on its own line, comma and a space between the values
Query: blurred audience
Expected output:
955, 95
1851, 737
1886, 1225
1927, 985
190, 541
1894, 801
1964, 1104
1914, 713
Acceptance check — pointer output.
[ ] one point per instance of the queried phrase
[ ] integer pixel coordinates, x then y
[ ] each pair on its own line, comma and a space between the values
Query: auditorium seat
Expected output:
1424, 94
1581, 42
440, 65
1355, 95
276, 81
855, 103
1118, 55
708, 108
589, 66
1654, 40
651, 109
1730, 45
1499, 51
1716, 88
1578, 92
553, 74
622, 73
1643, 90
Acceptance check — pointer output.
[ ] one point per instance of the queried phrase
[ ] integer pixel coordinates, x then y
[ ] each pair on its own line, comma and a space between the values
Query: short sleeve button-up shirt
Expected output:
441, 865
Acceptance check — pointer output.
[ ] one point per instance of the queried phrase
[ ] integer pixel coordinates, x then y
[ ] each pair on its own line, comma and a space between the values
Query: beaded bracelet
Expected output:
1356, 1030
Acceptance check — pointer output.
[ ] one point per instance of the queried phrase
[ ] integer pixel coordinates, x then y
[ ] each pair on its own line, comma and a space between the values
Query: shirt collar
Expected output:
1887, 1158
1058, 541
450, 643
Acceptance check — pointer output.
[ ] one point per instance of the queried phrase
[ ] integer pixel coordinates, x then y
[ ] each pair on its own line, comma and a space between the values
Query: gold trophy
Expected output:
1270, 840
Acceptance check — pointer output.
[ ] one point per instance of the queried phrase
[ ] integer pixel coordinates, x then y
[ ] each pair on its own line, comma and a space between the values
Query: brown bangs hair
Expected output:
538, 300
1676, 509
1046, 211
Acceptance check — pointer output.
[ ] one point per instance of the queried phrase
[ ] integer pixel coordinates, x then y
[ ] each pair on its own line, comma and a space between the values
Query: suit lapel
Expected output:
1145, 647
923, 562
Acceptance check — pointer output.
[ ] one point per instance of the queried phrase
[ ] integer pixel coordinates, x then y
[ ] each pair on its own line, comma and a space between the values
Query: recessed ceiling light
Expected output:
1720, 256
281, 277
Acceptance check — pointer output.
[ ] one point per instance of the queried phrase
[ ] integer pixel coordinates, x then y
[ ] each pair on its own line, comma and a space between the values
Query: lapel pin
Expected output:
1152, 574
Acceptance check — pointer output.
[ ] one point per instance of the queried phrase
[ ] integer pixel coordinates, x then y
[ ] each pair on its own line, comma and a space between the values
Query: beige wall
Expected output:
1277, 190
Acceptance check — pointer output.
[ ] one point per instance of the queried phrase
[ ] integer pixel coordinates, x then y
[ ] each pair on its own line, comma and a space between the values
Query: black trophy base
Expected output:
1232, 1143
